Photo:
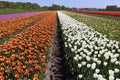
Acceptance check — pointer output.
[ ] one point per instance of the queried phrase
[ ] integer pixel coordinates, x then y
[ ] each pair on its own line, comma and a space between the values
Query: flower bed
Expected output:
11, 16
90, 55
117, 14
11, 27
25, 56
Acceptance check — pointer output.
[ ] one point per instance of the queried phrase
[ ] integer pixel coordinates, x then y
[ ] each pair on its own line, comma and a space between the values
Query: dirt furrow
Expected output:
57, 67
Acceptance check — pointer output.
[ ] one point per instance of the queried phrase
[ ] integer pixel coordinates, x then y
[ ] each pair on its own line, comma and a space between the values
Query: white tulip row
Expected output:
91, 50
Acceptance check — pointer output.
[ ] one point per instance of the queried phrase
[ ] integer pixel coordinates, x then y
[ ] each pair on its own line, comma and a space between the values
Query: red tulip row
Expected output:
98, 12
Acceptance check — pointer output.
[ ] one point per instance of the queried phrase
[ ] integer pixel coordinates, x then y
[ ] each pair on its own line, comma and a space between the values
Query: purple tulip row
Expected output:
11, 16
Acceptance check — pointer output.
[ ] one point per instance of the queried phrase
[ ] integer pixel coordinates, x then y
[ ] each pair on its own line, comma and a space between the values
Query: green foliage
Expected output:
112, 8
12, 7
58, 7
104, 16
18, 5
10, 10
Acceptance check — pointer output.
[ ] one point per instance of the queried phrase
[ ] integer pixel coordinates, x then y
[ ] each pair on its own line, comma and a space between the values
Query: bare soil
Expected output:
57, 68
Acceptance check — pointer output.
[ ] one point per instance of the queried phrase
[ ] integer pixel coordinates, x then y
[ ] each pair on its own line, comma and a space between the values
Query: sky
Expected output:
74, 3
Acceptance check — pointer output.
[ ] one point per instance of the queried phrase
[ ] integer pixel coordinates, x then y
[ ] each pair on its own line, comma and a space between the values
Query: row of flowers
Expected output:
106, 25
12, 16
12, 26
117, 14
25, 56
90, 55
5, 22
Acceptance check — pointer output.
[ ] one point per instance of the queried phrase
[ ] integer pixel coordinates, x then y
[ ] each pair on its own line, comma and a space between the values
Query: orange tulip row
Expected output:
25, 56
6, 22
11, 26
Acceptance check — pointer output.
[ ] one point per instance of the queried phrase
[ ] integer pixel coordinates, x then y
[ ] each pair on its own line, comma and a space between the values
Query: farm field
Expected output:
108, 27
87, 50
24, 55
105, 16
109, 13
13, 11
102, 14
59, 45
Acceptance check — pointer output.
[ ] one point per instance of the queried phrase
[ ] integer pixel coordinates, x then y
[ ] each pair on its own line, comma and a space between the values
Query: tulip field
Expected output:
59, 45
90, 54
23, 56
110, 13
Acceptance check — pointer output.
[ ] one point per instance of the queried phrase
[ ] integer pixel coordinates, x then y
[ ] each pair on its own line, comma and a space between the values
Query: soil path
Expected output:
57, 67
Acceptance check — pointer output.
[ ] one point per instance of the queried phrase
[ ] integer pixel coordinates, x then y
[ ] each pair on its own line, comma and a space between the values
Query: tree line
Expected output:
28, 5
112, 8
108, 8
35, 6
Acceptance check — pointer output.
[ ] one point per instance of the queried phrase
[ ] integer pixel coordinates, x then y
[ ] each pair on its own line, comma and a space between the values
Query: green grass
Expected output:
104, 16
10, 11
109, 27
